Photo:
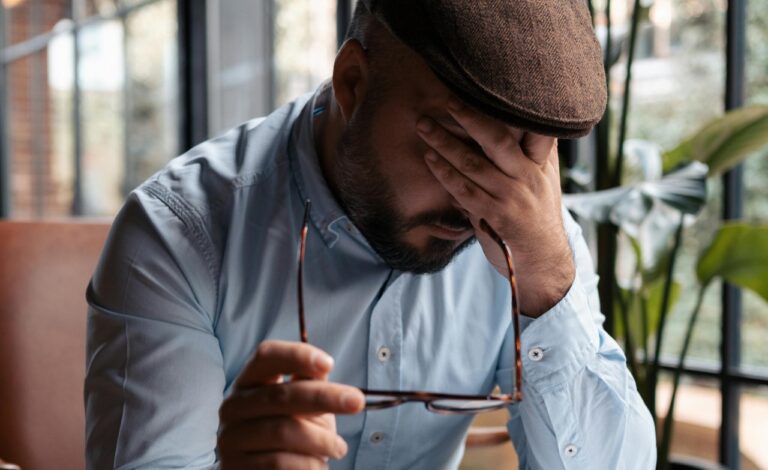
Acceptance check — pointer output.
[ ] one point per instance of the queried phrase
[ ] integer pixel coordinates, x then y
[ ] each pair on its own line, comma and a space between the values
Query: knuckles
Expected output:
470, 162
505, 142
466, 189
285, 430
279, 395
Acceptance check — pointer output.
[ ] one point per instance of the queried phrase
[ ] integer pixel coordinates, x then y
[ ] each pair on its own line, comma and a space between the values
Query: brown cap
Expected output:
534, 64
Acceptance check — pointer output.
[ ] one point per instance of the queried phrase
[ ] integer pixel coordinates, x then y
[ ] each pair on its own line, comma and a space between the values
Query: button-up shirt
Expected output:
200, 267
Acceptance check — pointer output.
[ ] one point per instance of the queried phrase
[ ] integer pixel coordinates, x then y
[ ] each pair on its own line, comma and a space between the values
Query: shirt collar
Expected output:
326, 214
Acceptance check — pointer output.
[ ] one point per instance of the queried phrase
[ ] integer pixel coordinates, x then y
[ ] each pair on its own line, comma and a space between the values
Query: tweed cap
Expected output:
534, 64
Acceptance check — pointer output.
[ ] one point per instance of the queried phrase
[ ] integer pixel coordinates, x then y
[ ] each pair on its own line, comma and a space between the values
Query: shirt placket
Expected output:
384, 366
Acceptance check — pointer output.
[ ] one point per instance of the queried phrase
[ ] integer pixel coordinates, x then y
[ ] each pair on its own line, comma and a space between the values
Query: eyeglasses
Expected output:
443, 403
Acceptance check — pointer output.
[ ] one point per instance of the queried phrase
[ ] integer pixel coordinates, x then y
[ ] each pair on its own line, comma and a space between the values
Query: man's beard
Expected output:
370, 202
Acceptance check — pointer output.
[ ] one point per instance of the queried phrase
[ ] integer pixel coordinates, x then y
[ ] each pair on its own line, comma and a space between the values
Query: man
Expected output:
435, 118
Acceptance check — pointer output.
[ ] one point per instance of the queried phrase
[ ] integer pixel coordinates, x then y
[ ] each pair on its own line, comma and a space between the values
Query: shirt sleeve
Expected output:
580, 407
154, 368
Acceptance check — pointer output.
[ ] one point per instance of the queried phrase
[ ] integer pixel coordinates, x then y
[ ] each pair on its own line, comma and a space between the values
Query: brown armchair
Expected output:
44, 270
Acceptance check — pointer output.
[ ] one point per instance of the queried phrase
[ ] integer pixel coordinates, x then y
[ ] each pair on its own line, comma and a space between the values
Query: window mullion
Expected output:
77, 128
4, 155
732, 209
193, 73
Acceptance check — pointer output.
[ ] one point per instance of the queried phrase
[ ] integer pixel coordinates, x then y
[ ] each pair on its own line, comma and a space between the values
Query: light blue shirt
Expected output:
200, 267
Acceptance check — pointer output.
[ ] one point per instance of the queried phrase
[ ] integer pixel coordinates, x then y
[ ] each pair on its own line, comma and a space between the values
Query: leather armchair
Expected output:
44, 271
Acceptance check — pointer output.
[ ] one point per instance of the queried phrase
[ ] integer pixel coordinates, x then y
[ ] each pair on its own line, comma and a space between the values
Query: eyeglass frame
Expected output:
429, 398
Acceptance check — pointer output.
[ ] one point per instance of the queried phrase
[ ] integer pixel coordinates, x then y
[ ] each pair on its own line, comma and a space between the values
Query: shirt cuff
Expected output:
557, 345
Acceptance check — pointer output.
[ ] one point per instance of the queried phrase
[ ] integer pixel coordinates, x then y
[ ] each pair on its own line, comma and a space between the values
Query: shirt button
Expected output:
377, 437
536, 354
571, 450
384, 354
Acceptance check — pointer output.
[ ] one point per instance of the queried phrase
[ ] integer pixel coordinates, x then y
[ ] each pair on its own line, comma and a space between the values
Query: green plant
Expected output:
739, 256
650, 215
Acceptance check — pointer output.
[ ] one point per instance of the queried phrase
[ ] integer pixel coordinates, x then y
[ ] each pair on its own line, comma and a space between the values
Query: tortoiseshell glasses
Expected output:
444, 403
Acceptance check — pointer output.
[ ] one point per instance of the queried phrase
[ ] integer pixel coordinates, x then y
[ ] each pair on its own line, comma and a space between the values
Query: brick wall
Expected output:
37, 186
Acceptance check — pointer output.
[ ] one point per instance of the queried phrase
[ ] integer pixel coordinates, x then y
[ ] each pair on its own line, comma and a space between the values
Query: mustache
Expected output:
451, 218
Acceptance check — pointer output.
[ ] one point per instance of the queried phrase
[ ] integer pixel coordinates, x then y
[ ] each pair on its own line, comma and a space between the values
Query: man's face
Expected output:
411, 221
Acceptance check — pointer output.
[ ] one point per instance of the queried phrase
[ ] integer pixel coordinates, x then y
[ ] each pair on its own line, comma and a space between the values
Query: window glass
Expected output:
263, 54
677, 86
755, 310
678, 77
754, 350
753, 414
102, 78
757, 52
41, 161
705, 342
697, 416
151, 132
25, 19
305, 46
240, 73
88, 8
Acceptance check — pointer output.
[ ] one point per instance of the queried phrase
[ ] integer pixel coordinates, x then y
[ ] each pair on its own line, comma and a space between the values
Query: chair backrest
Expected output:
44, 271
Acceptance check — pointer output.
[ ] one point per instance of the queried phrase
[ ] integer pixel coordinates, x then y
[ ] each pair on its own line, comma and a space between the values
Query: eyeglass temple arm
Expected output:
300, 280
518, 394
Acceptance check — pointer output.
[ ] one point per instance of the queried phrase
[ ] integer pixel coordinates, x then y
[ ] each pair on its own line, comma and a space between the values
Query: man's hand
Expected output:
513, 182
268, 423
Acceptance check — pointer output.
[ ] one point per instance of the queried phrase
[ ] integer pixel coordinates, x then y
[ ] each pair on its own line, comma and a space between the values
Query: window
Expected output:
91, 88
256, 68
695, 59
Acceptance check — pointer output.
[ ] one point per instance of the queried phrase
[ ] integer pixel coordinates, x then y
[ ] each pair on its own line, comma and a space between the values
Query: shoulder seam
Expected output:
193, 224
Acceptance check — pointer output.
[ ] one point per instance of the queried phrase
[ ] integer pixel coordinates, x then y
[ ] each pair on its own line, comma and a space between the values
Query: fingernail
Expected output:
455, 105
323, 362
431, 156
425, 125
350, 401
341, 447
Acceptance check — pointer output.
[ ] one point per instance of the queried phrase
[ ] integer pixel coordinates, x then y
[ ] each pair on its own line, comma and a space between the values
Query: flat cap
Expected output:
535, 64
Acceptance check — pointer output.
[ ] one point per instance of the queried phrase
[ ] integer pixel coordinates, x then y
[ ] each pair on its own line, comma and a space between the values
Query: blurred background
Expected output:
97, 95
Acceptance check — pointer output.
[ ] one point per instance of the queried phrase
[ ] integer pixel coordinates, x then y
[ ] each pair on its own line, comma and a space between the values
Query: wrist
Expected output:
541, 292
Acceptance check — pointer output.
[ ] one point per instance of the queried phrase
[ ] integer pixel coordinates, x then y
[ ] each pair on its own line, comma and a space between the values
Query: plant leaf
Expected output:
654, 293
642, 161
725, 141
627, 206
738, 254
684, 189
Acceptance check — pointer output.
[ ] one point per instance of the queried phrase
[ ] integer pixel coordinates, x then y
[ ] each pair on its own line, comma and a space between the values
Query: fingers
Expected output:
284, 434
273, 359
294, 398
467, 193
502, 143
269, 424
274, 460
538, 147
470, 162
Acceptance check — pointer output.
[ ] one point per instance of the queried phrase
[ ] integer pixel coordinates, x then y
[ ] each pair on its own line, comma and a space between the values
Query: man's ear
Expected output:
350, 77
